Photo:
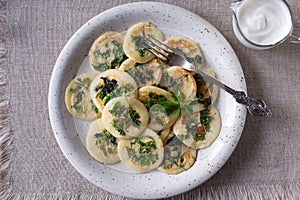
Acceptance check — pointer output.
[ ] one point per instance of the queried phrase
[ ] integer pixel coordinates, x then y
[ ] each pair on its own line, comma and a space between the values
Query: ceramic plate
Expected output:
173, 21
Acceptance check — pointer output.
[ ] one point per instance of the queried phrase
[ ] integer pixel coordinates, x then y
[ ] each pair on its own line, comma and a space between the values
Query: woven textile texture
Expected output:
265, 164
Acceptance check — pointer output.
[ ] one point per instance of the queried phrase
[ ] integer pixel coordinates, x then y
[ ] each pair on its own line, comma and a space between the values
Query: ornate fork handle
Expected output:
255, 107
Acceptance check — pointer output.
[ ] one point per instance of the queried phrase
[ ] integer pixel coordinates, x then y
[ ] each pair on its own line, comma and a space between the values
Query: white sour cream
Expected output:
264, 22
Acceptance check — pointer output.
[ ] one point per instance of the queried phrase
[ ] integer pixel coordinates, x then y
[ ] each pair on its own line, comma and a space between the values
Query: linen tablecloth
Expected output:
265, 164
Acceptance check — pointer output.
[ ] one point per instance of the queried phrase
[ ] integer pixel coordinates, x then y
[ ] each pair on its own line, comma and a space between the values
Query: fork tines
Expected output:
159, 49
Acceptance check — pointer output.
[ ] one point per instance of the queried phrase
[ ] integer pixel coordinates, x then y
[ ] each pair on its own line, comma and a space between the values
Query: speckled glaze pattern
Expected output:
173, 21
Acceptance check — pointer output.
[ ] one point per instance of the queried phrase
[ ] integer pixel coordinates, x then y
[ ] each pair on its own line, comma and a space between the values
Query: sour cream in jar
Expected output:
262, 24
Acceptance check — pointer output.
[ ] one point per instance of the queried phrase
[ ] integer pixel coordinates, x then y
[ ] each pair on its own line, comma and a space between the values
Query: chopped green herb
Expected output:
135, 117
101, 94
173, 153
119, 55
197, 128
169, 106
117, 110
142, 51
170, 80
205, 118
94, 107
124, 89
140, 45
202, 91
139, 73
119, 126
123, 117
195, 61
199, 137
72, 90
144, 154
78, 90
181, 161
78, 105
101, 67
106, 142
192, 127
157, 113
80, 84
107, 62
107, 99
145, 147
193, 130
104, 55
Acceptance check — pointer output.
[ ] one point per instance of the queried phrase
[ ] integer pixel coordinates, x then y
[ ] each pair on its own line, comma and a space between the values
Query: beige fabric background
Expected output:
265, 164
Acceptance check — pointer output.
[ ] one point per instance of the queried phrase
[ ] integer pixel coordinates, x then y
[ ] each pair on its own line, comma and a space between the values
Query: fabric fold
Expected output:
5, 133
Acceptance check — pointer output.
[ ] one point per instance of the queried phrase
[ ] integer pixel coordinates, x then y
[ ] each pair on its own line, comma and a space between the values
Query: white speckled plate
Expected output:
173, 21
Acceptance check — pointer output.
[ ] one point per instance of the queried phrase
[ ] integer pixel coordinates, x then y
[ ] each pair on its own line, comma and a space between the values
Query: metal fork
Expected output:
174, 57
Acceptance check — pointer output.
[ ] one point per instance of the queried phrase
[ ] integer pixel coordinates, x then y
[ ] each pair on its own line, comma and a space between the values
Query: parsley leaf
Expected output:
169, 106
